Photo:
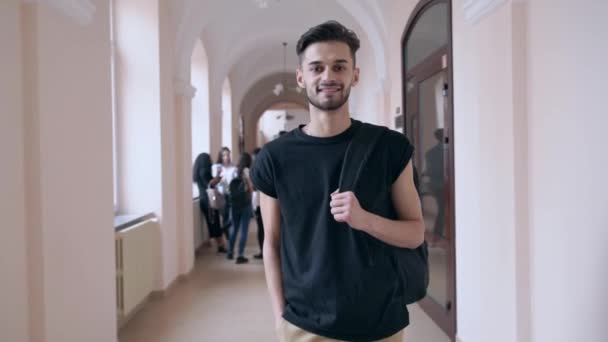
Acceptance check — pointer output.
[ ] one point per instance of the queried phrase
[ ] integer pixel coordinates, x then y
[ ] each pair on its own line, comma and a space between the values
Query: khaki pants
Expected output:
288, 332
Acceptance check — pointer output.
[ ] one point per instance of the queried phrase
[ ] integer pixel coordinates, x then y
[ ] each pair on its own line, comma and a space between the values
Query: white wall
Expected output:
366, 96
138, 106
177, 256
184, 190
529, 114
200, 102
215, 114
150, 166
497, 226
69, 166
235, 123
484, 140
568, 162
467, 185
227, 127
14, 314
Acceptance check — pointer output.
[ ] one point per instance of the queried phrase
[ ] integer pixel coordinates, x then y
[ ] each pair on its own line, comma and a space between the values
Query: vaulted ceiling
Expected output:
243, 41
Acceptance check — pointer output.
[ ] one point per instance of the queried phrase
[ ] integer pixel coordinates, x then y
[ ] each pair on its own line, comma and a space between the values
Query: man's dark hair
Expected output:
329, 31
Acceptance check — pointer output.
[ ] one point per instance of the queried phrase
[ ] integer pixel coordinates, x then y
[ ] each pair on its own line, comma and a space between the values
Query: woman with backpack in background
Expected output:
201, 175
241, 190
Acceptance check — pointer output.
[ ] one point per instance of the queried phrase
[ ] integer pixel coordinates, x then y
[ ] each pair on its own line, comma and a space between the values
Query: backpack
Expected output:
239, 194
412, 264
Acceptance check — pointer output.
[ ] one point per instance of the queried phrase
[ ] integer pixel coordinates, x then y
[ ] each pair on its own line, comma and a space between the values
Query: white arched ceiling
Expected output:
233, 33
374, 27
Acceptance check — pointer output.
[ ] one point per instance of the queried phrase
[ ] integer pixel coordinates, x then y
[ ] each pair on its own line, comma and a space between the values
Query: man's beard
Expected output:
332, 104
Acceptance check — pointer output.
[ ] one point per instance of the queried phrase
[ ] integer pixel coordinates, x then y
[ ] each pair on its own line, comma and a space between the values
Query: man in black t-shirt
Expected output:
325, 282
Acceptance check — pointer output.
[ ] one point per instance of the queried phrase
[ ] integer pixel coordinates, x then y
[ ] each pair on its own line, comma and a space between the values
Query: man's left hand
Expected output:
346, 208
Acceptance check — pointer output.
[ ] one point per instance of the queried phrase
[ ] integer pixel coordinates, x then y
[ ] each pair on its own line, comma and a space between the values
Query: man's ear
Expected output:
300, 78
355, 76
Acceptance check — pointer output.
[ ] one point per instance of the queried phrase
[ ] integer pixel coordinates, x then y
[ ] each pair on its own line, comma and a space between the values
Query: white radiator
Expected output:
137, 266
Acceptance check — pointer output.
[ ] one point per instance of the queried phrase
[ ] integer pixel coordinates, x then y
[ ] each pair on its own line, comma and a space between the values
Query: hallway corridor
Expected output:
106, 105
225, 302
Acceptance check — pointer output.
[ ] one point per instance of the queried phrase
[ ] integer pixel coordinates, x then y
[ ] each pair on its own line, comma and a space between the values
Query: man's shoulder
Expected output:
396, 137
388, 136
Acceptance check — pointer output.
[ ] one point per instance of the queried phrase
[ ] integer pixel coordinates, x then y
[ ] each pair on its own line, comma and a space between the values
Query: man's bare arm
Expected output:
271, 216
407, 231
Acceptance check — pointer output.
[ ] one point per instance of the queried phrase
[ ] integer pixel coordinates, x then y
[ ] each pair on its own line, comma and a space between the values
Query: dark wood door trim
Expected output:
446, 319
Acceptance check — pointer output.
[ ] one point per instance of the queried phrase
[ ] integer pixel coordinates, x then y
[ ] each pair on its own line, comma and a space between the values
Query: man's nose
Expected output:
328, 75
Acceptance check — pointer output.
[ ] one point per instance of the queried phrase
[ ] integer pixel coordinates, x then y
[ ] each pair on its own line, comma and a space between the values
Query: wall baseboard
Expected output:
158, 294
204, 244
124, 320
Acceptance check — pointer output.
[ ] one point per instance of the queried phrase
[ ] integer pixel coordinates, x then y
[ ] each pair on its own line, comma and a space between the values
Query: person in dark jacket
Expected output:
258, 213
203, 179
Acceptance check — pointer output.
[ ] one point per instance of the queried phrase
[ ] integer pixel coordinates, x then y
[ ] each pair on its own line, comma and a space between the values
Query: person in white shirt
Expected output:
228, 171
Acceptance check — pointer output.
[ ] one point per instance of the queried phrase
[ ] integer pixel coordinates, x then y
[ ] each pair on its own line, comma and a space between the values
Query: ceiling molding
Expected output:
80, 10
476, 10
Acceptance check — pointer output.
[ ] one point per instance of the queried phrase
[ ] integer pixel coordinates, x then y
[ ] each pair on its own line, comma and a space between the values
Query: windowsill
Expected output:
124, 221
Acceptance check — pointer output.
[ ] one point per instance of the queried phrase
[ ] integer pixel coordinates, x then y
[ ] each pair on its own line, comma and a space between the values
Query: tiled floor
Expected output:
225, 302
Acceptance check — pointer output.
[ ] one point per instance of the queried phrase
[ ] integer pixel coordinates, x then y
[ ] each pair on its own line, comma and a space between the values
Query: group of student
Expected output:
240, 201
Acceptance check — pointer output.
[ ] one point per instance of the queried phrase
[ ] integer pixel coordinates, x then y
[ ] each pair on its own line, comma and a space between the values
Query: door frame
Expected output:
445, 318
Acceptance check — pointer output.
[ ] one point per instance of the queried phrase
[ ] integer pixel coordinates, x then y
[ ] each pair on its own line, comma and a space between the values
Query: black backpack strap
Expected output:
357, 153
356, 156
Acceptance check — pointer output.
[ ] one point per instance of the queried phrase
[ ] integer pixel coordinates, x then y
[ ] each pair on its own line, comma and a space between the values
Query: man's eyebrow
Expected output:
339, 61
